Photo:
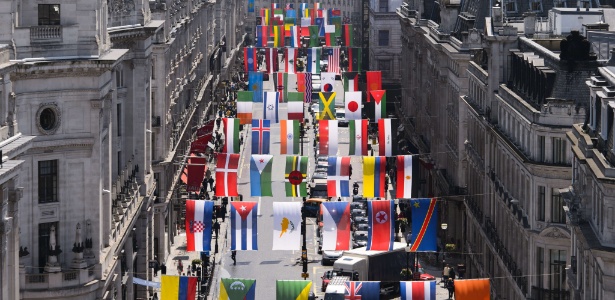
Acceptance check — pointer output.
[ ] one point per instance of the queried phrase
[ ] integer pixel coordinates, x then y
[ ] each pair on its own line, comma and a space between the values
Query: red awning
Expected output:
194, 172
200, 144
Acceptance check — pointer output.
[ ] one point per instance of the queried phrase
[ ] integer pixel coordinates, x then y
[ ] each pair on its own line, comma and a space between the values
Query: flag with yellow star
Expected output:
424, 225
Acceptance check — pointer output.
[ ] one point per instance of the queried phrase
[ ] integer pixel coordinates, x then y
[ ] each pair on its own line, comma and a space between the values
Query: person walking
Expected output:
451, 273
445, 273
450, 285
180, 267
233, 256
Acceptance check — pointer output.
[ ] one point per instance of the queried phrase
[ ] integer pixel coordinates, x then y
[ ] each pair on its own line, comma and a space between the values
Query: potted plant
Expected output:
196, 262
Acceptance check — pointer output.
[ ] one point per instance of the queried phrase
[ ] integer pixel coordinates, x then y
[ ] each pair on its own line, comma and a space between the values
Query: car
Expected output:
319, 175
360, 219
319, 191
357, 205
341, 119
322, 160
326, 278
321, 169
362, 227
315, 108
330, 256
312, 207
359, 212
359, 239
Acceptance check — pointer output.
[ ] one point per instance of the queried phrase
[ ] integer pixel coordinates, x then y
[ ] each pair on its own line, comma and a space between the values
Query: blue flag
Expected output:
424, 224
250, 5
365, 289
270, 107
260, 175
261, 133
320, 22
255, 84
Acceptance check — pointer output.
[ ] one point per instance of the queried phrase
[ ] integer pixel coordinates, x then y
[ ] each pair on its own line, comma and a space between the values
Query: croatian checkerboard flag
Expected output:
418, 290
380, 235
243, 225
338, 176
198, 225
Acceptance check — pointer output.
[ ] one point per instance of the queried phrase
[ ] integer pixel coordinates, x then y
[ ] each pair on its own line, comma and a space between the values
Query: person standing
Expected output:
233, 256
445, 273
450, 285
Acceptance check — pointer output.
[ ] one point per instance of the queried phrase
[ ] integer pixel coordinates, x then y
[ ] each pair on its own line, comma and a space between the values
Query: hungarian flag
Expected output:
381, 221
244, 106
295, 106
289, 137
198, 225
326, 106
336, 225
353, 105
296, 168
290, 60
313, 60
327, 81
178, 287
358, 137
229, 289
231, 135
293, 289
472, 289
424, 225
226, 175
387, 137
272, 60
354, 59
330, 35
260, 175
374, 170
265, 16
374, 80
304, 84
196, 171
270, 107
404, 176
338, 176
418, 290
347, 36
314, 39
351, 81
262, 35
295, 36
362, 290
250, 62
280, 83
327, 137
255, 84
278, 33
286, 225
379, 98
261, 133
243, 225
333, 60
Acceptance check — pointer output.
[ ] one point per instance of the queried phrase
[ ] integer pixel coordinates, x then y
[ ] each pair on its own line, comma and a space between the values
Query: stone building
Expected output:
385, 43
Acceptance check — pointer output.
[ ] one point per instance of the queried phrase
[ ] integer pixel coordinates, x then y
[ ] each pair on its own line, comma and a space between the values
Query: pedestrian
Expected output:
211, 182
451, 273
450, 285
163, 269
350, 172
180, 267
445, 273
223, 212
156, 269
216, 228
233, 256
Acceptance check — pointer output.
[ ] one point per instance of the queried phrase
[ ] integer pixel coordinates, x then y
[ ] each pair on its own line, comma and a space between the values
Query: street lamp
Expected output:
444, 226
408, 237
304, 258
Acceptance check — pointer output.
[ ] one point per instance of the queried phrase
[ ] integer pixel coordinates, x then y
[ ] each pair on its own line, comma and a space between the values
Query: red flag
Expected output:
381, 231
374, 81
472, 289
271, 59
226, 174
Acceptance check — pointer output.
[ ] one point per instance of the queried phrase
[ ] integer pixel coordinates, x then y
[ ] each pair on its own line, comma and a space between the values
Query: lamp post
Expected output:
444, 226
304, 259
408, 237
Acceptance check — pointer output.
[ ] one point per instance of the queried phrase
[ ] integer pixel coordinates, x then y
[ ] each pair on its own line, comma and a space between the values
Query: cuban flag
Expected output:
357, 290
336, 225
338, 176
270, 108
380, 235
418, 290
198, 225
243, 225
261, 133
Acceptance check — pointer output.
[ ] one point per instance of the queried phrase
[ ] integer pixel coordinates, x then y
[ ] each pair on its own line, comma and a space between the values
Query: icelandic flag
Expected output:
243, 225
362, 290
270, 108
338, 176
336, 225
374, 170
261, 133
255, 84
198, 225
380, 216
327, 137
260, 175
418, 290
313, 60
237, 289
404, 176
249, 59
424, 224
178, 287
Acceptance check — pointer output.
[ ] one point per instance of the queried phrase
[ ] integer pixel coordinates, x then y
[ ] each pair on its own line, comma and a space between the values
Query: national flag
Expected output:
270, 107
472, 289
304, 84
196, 171
198, 225
320, 22
326, 105
418, 290
260, 175
286, 225
333, 60
305, 24
327, 81
328, 137
255, 84
275, 6
278, 14
290, 59
354, 59
178, 287
289, 6
381, 222
289, 137
387, 137
351, 81
296, 167
289, 22
374, 170
314, 39
353, 105
237, 289
244, 225
295, 37
265, 16
250, 6
262, 35
313, 60
244, 106
358, 137
261, 133
338, 176
250, 62
330, 39
226, 175
404, 176
335, 225
272, 60
424, 225
379, 98
304, 10
356, 290
277, 31
347, 35
280, 84
292, 289
374, 80
295, 106
231, 135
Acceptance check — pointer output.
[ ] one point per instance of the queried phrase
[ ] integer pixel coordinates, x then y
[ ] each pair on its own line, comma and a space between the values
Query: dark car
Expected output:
319, 191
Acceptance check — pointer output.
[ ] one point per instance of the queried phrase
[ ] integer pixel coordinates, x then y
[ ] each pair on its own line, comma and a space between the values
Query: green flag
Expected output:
326, 106
296, 166
260, 175
237, 289
292, 289
314, 36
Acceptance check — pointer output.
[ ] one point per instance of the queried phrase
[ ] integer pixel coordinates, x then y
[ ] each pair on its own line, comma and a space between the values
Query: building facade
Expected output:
385, 43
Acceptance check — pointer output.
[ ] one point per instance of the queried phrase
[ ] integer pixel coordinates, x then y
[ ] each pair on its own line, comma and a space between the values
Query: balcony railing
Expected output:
545, 294
46, 33
63, 279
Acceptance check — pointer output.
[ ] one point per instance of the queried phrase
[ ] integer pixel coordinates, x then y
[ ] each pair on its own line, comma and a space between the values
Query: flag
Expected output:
261, 134
250, 63
335, 225
320, 23
275, 6
327, 82
198, 225
296, 167
347, 36
304, 84
338, 176
362, 290
387, 137
286, 225
380, 104
226, 175
424, 224
333, 60
278, 15
295, 37
270, 108
260, 175
280, 83
289, 6
237, 289
472, 289
265, 15
330, 39
354, 59
295, 106
178, 287
290, 59
351, 81
381, 221
304, 10
353, 105
231, 135
358, 137
262, 35
374, 170
289, 137
289, 23
326, 106
196, 171
328, 138
374, 80
305, 24
272, 60
250, 5
313, 60
244, 106
292, 289
277, 31
255, 84
418, 290
314, 39
243, 225
404, 176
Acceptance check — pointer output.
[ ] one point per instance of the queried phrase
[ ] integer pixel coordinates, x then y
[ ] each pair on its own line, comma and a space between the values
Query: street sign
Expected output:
295, 177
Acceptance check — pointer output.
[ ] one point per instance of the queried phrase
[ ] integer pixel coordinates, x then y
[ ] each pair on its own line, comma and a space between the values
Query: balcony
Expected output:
545, 294
50, 281
46, 33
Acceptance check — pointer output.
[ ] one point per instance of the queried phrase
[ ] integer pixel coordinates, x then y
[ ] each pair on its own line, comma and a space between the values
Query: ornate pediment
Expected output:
555, 233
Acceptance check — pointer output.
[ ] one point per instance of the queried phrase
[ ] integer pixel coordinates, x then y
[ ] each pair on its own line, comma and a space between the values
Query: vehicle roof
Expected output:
363, 252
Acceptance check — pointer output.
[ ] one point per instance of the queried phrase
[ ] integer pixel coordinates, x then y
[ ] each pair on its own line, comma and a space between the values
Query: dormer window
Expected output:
536, 5
48, 14
510, 6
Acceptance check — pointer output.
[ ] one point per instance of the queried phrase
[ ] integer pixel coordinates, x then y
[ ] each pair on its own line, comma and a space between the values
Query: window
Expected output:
540, 264
119, 163
385, 67
44, 234
511, 6
48, 14
383, 5
119, 120
47, 181
383, 37
557, 207
541, 203
119, 78
541, 148
557, 278
559, 150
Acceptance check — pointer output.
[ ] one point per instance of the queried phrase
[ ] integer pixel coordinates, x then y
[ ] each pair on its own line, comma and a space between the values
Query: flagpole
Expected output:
258, 209
304, 257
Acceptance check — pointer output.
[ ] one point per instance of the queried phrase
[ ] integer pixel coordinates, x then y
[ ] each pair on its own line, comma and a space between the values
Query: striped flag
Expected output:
308, 88
358, 137
265, 15
333, 60
229, 290
351, 81
380, 104
280, 83
244, 106
244, 225
418, 290
250, 62
374, 80
404, 176
277, 31
289, 137
261, 134
330, 39
289, 23
374, 170
354, 59
347, 36
260, 175
320, 22
295, 106
336, 225
178, 287
231, 135
198, 225
387, 137
304, 10
272, 60
255, 84
226, 175
296, 166
338, 176
328, 137
326, 106
305, 24
270, 107
313, 60
381, 221
286, 225
425, 225
295, 37
290, 58
262, 34
292, 289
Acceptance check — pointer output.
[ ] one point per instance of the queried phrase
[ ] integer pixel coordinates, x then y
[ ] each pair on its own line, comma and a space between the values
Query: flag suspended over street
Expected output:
326, 106
338, 176
260, 175
330, 37
314, 39
320, 22
292, 289
278, 33
286, 225
374, 80
404, 176
295, 37
295, 106
358, 137
289, 137
295, 176
280, 83
374, 171
347, 35
226, 175
231, 135
351, 82
362, 290
379, 100
262, 35
178, 287
336, 225
327, 137
198, 225
472, 289
270, 107
387, 137
290, 60
327, 81
249, 59
381, 221
424, 224
418, 290
272, 62
313, 59
255, 84
244, 225
261, 133
354, 59
244, 106
237, 289
250, 6
333, 60
265, 16
353, 105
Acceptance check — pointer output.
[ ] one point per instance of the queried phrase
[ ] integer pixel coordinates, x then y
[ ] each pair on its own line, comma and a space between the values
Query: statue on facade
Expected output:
52, 265
78, 245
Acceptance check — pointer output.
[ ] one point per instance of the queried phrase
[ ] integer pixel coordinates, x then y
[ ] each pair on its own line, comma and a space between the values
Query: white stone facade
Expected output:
385, 40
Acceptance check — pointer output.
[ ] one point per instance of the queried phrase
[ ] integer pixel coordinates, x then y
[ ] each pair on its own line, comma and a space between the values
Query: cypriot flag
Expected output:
286, 225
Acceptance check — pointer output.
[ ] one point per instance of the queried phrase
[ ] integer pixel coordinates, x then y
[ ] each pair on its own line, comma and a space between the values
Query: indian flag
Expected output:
289, 137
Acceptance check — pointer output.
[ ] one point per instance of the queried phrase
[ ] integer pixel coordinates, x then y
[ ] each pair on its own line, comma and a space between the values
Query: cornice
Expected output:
52, 145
